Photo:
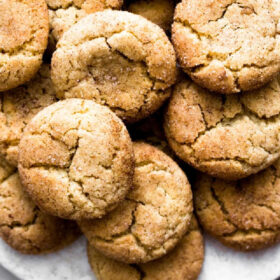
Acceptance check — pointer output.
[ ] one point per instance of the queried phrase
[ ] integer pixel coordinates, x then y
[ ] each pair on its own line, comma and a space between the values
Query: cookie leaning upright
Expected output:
154, 216
228, 46
243, 214
24, 28
228, 137
76, 159
117, 59
182, 263
22, 225
19, 106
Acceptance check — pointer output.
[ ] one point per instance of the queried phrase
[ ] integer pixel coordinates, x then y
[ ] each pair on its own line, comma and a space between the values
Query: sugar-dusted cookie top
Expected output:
154, 216
243, 214
182, 263
117, 59
228, 137
24, 28
228, 46
76, 159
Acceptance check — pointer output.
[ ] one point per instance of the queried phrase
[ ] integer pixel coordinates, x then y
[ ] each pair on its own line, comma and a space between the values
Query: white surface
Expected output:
71, 263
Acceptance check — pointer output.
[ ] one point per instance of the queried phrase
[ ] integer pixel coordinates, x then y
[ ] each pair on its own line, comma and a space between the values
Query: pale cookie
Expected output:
159, 12
76, 159
228, 137
182, 263
19, 106
244, 214
24, 28
228, 46
154, 216
23, 226
117, 59
65, 13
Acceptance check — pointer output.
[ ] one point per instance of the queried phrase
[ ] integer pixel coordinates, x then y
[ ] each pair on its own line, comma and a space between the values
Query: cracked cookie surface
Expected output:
159, 12
182, 263
154, 216
76, 159
117, 59
242, 214
23, 226
24, 31
65, 13
228, 46
229, 137
19, 106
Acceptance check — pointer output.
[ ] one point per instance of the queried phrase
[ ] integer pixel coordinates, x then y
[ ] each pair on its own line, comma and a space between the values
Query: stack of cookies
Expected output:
87, 145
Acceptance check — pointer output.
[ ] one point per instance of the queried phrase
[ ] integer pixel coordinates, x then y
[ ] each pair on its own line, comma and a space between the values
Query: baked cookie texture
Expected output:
154, 216
182, 263
243, 214
23, 226
229, 137
160, 12
76, 159
19, 106
228, 46
117, 59
65, 13
24, 28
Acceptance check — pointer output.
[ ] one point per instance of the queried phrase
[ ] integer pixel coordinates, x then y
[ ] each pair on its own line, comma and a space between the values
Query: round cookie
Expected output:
65, 13
228, 46
182, 263
159, 12
229, 137
242, 214
117, 59
154, 216
24, 31
19, 106
76, 159
23, 226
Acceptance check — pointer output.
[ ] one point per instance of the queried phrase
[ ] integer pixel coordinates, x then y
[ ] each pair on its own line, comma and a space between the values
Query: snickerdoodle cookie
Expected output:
159, 12
22, 225
243, 214
228, 46
65, 13
117, 59
24, 30
76, 159
19, 106
228, 137
182, 263
154, 216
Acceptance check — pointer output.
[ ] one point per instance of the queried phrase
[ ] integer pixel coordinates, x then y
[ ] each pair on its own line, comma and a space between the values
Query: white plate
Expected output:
71, 263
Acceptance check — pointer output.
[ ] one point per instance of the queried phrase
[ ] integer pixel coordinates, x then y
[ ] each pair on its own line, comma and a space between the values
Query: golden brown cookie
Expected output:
159, 12
65, 13
19, 106
117, 59
228, 137
76, 159
182, 263
154, 216
24, 31
243, 214
228, 46
23, 226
